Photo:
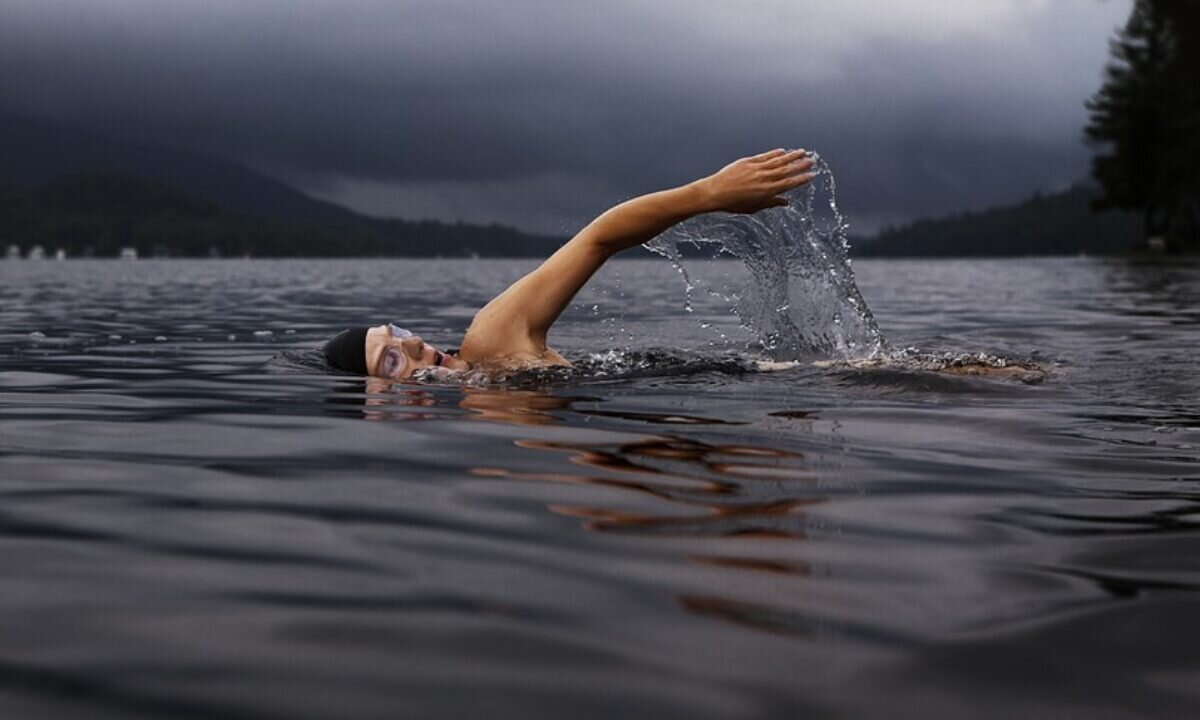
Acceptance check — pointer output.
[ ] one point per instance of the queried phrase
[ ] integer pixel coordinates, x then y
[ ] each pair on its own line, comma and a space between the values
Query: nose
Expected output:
412, 347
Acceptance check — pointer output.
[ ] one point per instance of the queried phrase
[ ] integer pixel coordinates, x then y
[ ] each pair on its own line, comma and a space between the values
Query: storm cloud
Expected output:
539, 114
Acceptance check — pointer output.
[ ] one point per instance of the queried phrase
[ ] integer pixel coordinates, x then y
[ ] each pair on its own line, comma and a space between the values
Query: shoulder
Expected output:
513, 359
506, 344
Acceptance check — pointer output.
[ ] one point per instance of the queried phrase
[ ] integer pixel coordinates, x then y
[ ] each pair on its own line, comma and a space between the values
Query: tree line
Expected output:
1145, 123
98, 214
1054, 224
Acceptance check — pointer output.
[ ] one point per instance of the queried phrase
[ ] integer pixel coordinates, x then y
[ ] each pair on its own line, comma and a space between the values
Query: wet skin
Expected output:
510, 331
407, 355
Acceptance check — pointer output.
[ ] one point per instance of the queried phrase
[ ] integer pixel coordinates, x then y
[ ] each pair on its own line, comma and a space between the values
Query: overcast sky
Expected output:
540, 113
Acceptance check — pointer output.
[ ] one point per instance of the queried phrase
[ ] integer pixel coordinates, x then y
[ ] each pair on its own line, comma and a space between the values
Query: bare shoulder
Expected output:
498, 338
494, 333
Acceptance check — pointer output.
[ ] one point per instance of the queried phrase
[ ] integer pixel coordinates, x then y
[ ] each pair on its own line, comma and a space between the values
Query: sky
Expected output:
541, 113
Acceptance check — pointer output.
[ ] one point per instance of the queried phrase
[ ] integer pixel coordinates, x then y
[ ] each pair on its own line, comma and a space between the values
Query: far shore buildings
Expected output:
37, 252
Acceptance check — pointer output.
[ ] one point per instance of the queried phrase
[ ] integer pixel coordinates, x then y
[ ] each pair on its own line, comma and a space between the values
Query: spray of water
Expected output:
800, 300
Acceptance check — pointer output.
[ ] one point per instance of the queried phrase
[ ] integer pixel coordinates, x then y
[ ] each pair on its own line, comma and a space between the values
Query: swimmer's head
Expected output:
385, 351
346, 351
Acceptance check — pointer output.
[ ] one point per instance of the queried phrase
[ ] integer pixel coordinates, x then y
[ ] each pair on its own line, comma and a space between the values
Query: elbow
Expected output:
597, 244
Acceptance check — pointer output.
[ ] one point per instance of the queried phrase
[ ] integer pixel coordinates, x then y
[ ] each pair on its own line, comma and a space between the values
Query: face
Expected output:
396, 354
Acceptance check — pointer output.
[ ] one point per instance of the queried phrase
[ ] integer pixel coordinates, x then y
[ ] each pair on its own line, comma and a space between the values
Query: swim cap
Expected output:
348, 350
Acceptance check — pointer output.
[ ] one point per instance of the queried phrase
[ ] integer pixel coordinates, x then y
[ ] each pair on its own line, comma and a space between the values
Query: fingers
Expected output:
785, 158
769, 154
788, 169
791, 183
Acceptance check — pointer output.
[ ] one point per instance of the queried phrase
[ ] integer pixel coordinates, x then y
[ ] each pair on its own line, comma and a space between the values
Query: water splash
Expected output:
601, 367
801, 300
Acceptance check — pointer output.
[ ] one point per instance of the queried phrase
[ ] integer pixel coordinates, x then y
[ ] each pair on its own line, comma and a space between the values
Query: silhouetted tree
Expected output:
1146, 116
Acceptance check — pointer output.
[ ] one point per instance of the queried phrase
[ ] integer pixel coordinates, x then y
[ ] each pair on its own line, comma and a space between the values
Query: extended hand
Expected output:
757, 182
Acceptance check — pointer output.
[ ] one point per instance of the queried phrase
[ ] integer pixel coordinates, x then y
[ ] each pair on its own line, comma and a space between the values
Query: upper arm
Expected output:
524, 312
519, 318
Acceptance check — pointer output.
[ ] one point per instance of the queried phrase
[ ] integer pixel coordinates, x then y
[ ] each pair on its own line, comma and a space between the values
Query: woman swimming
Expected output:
510, 331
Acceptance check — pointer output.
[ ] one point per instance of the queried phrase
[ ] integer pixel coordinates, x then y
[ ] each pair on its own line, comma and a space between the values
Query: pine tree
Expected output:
1146, 118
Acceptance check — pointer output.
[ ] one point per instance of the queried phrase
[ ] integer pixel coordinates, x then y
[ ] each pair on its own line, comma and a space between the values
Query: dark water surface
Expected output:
192, 526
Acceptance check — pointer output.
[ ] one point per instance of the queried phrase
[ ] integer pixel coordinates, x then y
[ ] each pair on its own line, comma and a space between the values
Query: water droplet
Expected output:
799, 275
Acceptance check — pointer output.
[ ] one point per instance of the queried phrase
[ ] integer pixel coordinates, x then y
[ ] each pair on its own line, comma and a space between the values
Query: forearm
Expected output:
635, 221
521, 316
531, 305
744, 186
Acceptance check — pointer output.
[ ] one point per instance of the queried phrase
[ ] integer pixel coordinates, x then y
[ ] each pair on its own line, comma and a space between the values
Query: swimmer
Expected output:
510, 331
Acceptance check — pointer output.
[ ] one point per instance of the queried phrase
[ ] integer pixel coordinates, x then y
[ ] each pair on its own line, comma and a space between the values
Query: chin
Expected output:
452, 363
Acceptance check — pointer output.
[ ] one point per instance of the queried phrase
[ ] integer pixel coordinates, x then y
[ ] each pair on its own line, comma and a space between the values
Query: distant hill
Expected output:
97, 214
34, 152
91, 195
1054, 224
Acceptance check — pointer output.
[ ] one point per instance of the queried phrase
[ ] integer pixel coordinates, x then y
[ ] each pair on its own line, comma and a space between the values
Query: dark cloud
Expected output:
540, 113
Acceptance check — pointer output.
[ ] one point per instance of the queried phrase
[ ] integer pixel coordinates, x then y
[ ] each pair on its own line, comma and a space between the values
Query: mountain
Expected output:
98, 214
91, 195
34, 152
1054, 224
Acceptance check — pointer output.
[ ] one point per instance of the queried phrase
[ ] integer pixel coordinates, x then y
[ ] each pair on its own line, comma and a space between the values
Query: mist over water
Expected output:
799, 299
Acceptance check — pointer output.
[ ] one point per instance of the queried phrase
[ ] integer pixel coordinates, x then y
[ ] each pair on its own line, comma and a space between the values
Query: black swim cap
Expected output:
348, 350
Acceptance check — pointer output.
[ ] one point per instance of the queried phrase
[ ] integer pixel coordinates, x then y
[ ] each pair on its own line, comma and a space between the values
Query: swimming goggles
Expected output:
393, 362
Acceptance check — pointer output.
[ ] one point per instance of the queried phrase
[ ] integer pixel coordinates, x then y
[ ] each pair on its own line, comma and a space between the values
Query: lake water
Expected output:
196, 524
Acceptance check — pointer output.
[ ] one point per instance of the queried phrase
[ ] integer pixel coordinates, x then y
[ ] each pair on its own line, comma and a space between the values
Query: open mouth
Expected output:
438, 358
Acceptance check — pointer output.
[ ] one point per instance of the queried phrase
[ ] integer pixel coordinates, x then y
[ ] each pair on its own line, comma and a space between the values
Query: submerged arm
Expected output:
520, 317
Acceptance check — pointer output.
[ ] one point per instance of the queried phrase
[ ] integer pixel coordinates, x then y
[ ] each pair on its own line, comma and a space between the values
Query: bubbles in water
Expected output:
801, 299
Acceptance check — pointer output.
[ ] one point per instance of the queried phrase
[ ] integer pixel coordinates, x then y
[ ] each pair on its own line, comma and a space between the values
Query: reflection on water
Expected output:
205, 527
690, 474
703, 483
1154, 288
699, 489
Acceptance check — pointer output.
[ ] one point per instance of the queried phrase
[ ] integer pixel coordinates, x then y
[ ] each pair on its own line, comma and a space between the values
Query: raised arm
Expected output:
516, 322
